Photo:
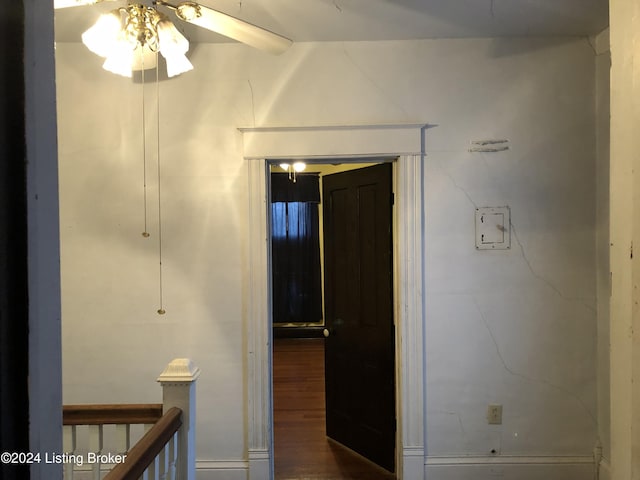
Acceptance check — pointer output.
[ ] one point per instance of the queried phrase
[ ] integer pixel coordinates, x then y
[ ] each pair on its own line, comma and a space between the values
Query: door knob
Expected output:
326, 332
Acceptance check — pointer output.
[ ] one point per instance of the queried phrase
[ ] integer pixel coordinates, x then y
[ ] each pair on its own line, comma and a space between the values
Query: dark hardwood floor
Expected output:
301, 449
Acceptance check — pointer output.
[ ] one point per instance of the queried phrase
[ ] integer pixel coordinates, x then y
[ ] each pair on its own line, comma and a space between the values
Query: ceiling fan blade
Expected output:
229, 26
57, 4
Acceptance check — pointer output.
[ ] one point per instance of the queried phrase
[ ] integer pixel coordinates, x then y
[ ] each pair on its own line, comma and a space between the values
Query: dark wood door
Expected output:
359, 351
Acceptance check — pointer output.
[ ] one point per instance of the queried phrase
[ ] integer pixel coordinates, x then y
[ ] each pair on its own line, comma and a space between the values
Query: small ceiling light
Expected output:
130, 37
292, 170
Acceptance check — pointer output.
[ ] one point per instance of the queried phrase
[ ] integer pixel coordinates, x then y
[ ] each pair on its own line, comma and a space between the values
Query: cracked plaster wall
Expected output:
515, 327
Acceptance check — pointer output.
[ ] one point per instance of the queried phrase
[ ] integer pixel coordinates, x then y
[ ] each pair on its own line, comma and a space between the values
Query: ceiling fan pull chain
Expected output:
161, 310
145, 233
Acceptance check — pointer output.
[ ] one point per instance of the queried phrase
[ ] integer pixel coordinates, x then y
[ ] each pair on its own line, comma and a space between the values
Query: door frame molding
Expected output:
407, 143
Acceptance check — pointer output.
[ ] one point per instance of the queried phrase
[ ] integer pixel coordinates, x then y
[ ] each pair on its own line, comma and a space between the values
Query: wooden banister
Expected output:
149, 446
166, 450
111, 414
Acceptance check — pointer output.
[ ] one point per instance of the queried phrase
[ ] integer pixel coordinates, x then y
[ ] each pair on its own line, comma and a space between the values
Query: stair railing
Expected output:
98, 439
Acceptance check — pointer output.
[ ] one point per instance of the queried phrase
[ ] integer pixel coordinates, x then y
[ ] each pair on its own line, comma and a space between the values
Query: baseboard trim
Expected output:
221, 469
509, 460
259, 464
605, 470
435, 468
205, 470
505, 466
412, 462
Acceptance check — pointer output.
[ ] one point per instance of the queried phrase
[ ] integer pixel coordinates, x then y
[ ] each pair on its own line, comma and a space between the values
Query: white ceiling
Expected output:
344, 20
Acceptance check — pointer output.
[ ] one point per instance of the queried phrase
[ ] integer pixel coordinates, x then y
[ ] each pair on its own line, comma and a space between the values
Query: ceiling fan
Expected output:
119, 33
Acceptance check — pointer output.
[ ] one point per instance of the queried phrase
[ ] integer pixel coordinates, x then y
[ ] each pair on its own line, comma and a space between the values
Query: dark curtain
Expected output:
295, 231
305, 189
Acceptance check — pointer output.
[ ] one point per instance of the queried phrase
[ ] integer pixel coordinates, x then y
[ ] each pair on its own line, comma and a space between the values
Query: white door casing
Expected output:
406, 142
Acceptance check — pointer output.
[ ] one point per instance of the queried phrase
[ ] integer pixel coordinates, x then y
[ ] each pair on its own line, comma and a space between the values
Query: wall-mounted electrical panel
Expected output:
493, 228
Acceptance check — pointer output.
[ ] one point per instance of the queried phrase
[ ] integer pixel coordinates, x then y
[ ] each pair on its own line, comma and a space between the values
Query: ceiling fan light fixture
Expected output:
133, 44
147, 31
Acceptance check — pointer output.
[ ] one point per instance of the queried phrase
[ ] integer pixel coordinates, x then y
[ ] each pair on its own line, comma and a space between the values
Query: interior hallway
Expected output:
301, 448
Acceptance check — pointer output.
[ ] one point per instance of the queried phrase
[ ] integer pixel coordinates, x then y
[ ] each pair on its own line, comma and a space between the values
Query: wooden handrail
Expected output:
111, 414
149, 446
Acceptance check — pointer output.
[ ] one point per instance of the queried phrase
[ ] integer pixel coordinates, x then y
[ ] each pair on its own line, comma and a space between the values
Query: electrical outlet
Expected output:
494, 414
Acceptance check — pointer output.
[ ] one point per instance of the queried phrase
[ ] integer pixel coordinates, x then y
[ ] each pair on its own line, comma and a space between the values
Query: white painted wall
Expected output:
514, 327
603, 112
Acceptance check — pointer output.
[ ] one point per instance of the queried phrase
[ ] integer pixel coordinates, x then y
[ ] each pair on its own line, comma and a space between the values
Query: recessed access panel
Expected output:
493, 228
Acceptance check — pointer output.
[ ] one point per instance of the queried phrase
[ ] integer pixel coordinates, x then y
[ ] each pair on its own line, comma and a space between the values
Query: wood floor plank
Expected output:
302, 450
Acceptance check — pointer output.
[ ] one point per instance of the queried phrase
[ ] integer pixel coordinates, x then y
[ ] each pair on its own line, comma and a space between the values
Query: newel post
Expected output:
178, 382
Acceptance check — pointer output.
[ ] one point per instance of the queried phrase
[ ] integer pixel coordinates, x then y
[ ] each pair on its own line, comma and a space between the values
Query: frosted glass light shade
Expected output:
170, 38
103, 36
173, 47
144, 58
177, 64
120, 58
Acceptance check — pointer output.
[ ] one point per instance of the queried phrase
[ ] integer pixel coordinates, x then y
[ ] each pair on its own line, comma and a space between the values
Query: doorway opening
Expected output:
333, 367
406, 143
